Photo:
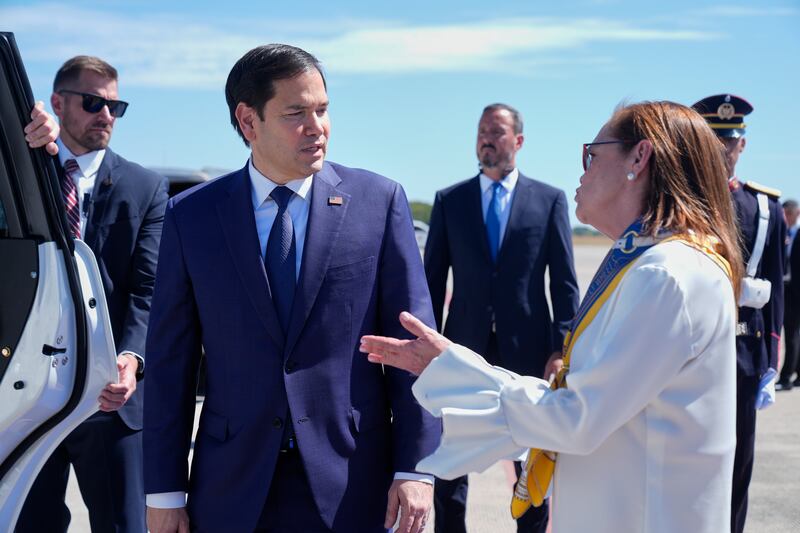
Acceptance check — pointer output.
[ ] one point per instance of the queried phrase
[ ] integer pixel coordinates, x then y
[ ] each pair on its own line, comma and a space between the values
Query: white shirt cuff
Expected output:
166, 500
411, 476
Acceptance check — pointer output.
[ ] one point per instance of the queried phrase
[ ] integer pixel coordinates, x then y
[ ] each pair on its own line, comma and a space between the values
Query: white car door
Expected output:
56, 348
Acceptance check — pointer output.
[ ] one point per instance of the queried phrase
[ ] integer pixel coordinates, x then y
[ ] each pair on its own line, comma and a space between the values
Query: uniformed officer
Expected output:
763, 232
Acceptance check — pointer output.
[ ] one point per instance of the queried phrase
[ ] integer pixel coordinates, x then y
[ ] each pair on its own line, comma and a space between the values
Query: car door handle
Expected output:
52, 350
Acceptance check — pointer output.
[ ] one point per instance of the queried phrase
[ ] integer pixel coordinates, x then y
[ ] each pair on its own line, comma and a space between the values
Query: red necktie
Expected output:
70, 191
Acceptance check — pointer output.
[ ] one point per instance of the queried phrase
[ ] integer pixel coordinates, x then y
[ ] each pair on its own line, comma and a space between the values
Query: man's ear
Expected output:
742, 144
57, 103
246, 116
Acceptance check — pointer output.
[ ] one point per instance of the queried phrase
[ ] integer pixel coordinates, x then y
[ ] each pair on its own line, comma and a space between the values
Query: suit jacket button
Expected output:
277, 423
289, 367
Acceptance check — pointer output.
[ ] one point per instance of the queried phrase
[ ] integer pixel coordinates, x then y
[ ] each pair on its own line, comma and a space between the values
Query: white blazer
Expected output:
645, 431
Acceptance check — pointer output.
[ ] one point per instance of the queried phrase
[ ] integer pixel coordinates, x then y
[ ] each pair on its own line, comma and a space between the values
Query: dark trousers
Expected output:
450, 496
791, 325
290, 490
107, 457
450, 505
290, 506
746, 390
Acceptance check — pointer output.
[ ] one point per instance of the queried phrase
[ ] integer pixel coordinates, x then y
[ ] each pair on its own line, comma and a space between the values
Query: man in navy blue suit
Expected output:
499, 231
117, 208
277, 270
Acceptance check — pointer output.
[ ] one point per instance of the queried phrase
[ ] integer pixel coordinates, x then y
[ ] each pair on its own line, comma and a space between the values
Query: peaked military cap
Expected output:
724, 113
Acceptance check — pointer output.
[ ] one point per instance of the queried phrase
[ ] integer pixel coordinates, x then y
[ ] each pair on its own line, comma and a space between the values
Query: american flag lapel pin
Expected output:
334, 200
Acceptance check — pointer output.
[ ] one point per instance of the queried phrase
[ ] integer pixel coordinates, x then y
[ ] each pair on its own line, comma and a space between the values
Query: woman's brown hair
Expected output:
688, 187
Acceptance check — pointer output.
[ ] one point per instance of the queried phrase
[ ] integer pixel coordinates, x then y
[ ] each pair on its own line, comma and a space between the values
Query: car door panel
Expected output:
56, 347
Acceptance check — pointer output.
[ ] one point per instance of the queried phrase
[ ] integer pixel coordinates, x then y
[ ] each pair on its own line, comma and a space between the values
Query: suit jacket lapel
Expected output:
519, 204
324, 223
475, 219
104, 184
239, 226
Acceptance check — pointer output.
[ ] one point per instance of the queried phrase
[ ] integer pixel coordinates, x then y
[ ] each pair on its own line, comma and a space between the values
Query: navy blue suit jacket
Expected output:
537, 236
356, 423
757, 350
123, 230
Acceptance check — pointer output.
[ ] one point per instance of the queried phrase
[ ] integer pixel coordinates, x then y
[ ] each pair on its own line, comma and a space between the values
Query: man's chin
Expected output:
96, 142
315, 166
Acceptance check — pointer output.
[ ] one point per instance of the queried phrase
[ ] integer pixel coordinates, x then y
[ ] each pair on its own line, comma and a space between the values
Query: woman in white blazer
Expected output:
639, 426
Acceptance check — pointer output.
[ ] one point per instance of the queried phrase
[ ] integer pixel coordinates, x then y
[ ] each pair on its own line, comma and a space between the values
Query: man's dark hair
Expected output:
71, 70
505, 107
790, 204
251, 80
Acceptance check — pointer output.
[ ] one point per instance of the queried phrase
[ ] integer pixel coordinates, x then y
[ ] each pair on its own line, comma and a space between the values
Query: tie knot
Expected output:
71, 167
281, 195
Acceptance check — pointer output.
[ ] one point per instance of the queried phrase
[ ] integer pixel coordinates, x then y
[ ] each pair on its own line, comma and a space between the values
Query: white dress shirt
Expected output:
266, 210
89, 164
645, 430
505, 196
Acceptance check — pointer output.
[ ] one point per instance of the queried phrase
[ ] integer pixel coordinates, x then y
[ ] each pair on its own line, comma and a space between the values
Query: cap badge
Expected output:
726, 111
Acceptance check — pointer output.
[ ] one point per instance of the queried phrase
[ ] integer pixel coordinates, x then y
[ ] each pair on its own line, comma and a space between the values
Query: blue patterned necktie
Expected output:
281, 257
493, 221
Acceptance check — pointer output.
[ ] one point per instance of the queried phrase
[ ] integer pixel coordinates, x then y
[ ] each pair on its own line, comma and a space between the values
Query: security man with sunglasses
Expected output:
760, 317
117, 208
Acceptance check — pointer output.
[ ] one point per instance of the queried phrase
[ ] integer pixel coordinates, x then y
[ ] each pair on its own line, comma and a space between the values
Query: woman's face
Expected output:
603, 182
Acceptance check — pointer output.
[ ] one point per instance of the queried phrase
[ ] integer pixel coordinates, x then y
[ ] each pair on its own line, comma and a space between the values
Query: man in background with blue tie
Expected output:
277, 270
500, 231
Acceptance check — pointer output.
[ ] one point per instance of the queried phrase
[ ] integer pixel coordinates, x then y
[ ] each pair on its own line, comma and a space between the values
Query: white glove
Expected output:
766, 389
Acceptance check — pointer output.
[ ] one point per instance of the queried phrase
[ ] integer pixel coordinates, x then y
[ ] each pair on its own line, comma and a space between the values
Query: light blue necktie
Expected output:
493, 221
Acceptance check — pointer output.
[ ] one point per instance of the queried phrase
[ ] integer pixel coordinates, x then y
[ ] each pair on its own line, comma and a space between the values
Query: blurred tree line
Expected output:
422, 211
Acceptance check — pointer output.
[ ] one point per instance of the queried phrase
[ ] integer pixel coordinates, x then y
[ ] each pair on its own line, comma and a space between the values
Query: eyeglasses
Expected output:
94, 104
587, 156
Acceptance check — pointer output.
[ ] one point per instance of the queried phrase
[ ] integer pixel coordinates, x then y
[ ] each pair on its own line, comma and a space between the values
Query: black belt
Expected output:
290, 446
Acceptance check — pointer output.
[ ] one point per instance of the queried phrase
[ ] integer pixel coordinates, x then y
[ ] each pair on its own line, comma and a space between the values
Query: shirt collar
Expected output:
508, 182
89, 163
263, 186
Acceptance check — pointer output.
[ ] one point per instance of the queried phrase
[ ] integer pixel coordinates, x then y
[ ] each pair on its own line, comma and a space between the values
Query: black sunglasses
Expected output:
587, 156
94, 104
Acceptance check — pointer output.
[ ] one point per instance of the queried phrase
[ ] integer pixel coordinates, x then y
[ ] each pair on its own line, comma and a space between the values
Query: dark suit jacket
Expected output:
792, 287
356, 423
123, 230
758, 349
538, 236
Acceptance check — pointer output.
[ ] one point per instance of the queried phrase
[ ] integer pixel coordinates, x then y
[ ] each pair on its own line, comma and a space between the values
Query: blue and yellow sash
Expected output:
537, 475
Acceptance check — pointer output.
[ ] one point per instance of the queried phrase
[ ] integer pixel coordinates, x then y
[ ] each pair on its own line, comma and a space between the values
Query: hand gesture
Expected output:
412, 355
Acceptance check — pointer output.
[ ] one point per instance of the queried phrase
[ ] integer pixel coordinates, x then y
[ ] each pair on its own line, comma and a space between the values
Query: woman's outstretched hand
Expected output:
412, 355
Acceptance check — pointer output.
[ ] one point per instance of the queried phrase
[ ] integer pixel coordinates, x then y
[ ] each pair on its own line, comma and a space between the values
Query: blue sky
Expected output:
407, 80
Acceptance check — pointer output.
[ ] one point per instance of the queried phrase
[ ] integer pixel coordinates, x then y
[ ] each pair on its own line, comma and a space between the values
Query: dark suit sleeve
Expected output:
794, 266
402, 287
561, 265
437, 260
142, 273
173, 355
772, 269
